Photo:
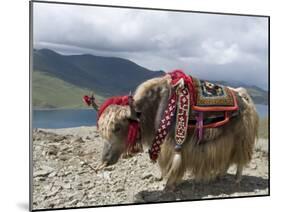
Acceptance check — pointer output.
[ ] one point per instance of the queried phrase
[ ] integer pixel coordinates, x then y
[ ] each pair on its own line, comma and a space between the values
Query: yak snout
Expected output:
110, 153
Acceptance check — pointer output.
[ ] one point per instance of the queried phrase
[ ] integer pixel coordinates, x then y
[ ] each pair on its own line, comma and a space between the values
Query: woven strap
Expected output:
162, 131
182, 115
180, 100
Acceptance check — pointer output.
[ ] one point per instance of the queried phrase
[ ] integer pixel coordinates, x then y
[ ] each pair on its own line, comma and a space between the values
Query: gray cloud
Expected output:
205, 45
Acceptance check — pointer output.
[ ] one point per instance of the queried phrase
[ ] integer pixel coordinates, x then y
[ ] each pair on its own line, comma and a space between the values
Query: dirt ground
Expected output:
63, 175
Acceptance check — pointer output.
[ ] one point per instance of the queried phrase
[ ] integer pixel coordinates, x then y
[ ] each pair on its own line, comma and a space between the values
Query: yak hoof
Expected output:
237, 184
238, 179
170, 188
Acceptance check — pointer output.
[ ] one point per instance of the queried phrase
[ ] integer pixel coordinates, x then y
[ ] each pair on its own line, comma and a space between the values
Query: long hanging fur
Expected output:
175, 164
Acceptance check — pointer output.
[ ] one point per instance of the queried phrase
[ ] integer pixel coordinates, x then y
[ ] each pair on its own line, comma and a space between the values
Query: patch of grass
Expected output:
263, 128
51, 92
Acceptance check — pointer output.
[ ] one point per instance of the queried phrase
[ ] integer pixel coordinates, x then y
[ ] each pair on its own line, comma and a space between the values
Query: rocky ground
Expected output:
63, 174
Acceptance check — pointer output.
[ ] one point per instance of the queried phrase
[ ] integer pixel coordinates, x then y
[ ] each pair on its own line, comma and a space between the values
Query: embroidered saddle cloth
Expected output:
216, 104
212, 97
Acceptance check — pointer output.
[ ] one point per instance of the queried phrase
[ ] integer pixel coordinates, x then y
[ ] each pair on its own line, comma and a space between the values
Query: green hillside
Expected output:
51, 92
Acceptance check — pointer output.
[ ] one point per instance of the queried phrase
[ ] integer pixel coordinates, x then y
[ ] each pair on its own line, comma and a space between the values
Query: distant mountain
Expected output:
61, 80
259, 95
105, 75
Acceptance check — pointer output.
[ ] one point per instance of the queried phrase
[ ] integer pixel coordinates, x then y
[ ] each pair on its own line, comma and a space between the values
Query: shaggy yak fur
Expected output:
221, 147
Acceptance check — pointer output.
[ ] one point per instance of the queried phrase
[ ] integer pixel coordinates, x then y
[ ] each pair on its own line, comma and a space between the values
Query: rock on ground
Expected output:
63, 174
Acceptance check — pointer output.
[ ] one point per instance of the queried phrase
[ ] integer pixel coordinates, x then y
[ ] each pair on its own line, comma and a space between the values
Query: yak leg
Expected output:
172, 182
223, 173
238, 176
161, 163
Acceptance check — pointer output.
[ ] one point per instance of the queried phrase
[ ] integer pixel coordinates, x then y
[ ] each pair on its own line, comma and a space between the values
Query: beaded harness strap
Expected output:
179, 102
182, 116
162, 131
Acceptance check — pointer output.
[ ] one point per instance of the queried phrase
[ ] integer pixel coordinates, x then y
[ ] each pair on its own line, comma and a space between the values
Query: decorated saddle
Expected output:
210, 103
213, 97
214, 103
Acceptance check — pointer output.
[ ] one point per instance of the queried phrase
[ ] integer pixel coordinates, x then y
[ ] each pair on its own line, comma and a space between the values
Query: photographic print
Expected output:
137, 105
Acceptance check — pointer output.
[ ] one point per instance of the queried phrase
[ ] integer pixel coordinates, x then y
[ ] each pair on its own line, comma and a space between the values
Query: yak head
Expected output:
114, 126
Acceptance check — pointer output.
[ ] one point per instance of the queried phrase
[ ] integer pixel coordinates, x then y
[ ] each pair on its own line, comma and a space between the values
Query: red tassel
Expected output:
132, 133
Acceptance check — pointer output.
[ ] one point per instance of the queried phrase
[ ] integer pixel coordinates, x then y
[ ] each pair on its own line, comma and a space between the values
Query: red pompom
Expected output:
87, 100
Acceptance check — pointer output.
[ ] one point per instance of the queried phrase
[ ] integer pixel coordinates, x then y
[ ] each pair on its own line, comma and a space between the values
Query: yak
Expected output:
219, 148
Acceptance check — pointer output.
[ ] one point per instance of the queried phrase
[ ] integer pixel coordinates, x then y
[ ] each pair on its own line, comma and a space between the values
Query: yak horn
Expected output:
94, 102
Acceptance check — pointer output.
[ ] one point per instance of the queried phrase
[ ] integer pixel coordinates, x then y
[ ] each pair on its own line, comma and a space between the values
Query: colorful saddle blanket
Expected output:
212, 97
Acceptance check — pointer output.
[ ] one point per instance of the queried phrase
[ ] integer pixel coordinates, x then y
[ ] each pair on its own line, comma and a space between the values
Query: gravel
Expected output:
63, 175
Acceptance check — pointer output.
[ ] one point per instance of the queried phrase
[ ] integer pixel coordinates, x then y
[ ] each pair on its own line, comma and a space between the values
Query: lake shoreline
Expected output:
52, 109
66, 118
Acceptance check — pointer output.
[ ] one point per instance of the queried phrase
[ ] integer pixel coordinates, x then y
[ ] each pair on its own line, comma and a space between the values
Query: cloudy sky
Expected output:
215, 47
